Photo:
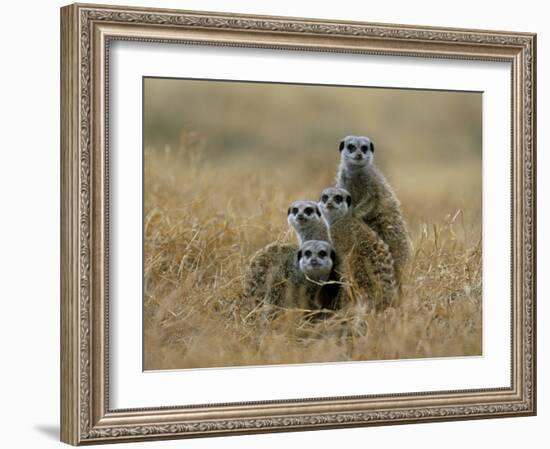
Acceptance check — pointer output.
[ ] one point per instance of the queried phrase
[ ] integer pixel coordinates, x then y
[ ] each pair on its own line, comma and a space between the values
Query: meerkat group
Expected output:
352, 244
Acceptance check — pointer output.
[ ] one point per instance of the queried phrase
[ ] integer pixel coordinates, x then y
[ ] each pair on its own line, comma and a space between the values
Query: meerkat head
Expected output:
304, 216
356, 152
335, 203
316, 259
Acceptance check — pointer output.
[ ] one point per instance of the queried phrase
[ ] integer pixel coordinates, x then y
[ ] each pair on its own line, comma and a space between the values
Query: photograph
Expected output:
305, 223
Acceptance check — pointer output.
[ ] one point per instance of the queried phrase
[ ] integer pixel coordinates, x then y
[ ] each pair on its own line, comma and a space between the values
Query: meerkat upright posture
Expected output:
283, 275
364, 258
373, 198
306, 220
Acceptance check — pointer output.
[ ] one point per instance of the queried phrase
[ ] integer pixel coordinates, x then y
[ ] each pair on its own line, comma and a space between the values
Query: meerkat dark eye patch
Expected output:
322, 254
308, 210
351, 148
338, 198
294, 210
307, 253
364, 148
324, 198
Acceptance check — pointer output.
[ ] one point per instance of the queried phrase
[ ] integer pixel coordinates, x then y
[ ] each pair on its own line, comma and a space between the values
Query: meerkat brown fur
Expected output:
271, 274
364, 258
282, 275
373, 198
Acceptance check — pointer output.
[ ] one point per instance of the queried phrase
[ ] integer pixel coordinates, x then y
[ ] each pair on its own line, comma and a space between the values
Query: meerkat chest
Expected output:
342, 238
357, 184
317, 231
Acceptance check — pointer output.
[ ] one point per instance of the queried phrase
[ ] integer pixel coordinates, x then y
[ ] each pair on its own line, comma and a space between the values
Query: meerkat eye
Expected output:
294, 210
351, 147
324, 198
364, 148
338, 198
322, 254
307, 253
308, 210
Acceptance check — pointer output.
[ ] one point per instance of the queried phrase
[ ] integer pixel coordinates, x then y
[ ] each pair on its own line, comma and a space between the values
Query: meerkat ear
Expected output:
288, 211
342, 143
317, 211
348, 200
372, 147
333, 256
299, 255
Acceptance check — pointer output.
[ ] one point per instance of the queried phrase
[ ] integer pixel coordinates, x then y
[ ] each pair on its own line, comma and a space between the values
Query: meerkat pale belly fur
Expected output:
373, 198
364, 259
284, 275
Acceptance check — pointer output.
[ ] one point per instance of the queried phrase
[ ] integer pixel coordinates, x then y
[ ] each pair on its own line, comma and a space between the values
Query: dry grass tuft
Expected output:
203, 222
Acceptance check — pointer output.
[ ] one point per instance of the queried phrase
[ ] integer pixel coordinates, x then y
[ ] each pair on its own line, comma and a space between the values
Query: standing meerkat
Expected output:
283, 275
373, 198
364, 258
306, 220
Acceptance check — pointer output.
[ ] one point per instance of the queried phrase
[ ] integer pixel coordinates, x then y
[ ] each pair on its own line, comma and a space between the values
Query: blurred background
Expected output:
428, 143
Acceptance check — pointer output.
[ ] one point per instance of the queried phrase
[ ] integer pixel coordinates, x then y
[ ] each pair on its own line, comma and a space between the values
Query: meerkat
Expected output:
364, 258
317, 262
272, 275
306, 220
282, 275
373, 197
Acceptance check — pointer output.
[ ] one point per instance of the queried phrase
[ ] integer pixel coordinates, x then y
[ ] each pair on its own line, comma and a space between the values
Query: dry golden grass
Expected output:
203, 219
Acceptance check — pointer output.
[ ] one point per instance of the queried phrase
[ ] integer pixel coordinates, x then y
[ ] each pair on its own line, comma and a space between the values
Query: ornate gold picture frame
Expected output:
87, 33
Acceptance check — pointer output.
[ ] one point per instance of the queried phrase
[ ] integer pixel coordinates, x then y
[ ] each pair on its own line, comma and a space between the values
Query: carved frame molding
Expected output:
87, 31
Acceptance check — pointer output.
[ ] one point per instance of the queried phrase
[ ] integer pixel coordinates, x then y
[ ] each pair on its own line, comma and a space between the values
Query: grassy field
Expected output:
219, 176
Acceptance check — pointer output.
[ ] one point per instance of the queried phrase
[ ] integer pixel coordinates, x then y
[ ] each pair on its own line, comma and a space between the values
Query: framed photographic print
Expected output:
279, 224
